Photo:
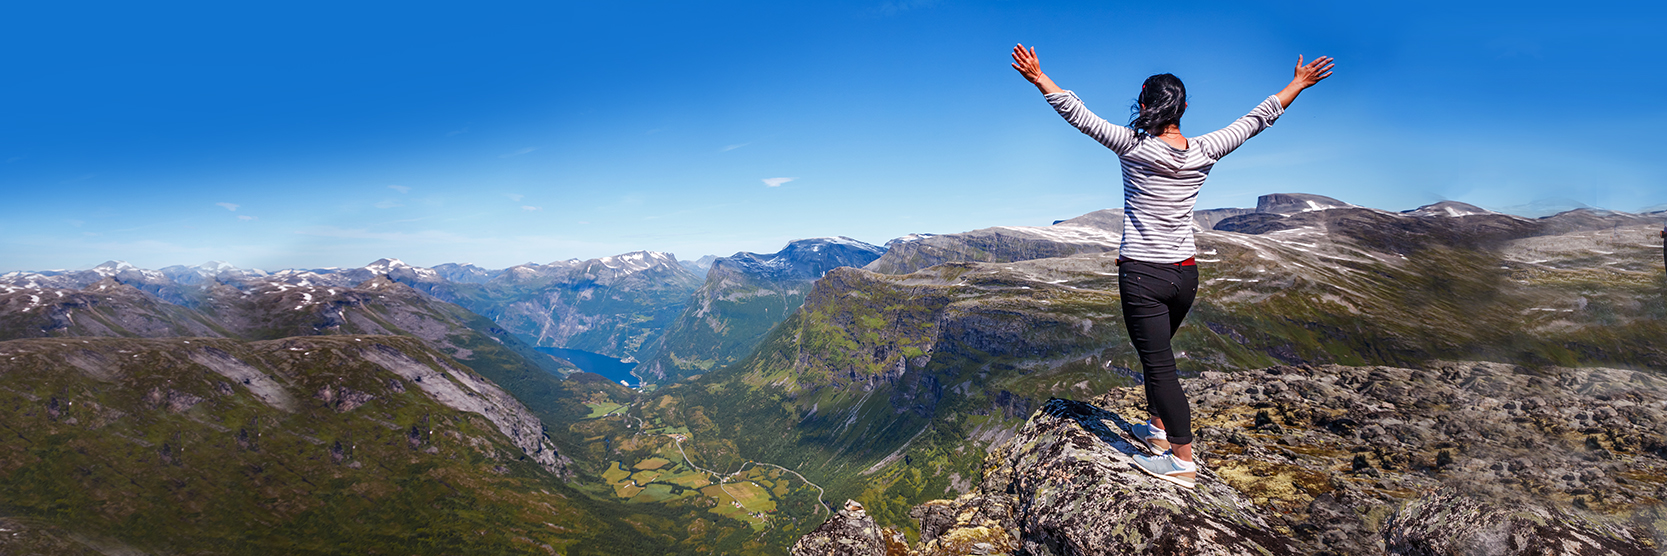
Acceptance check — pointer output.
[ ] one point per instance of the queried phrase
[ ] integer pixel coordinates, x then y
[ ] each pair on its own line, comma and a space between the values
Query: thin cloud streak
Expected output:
776, 182
229, 206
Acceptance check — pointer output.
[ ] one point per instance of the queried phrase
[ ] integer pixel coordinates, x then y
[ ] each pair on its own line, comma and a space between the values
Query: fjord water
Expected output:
614, 369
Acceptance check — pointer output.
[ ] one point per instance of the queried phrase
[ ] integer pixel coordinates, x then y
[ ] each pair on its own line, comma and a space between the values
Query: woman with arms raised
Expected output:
1157, 276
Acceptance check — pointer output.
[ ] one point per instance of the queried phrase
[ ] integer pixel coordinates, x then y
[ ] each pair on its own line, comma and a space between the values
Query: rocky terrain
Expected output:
1454, 458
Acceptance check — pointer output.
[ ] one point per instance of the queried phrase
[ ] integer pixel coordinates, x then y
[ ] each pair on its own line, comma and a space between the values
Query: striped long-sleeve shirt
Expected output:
1161, 182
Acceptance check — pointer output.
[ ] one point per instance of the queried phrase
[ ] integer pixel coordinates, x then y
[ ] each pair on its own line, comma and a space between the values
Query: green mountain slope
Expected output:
745, 295
318, 445
657, 507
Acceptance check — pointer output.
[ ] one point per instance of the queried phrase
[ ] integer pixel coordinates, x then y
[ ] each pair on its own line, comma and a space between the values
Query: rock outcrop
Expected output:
1071, 480
851, 532
1451, 459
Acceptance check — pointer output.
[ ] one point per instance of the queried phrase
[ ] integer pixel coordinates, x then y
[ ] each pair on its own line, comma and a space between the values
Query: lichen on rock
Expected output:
1450, 459
851, 532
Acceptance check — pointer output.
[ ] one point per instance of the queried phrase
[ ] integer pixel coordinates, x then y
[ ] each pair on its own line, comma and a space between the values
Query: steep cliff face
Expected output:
1453, 459
617, 306
745, 295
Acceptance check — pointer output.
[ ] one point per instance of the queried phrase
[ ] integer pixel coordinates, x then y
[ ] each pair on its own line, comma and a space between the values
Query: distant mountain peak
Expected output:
637, 260
1545, 207
1449, 209
702, 263
1293, 203
217, 266
803, 259
110, 268
385, 265
907, 239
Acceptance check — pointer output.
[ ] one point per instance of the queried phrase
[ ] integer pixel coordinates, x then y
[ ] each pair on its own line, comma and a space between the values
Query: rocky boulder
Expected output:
851, 532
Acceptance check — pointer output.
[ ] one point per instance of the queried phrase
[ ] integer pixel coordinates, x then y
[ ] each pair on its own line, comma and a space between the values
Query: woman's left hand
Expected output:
1309, 74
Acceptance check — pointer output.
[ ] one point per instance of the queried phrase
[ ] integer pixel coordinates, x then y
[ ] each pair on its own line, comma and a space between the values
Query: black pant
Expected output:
1156, 298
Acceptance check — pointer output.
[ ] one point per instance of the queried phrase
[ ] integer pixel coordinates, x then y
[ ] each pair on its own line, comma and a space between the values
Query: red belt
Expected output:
1191, 261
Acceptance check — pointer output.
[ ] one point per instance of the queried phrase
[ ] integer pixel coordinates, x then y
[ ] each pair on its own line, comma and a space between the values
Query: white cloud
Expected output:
457, 131
229, 206
518, 152
530, 208
776, 182
514, 196
76, 223
400, 188
389, 203
245, 217
728, 148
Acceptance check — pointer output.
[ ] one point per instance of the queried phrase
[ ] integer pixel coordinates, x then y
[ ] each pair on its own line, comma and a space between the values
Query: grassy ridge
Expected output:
151, 448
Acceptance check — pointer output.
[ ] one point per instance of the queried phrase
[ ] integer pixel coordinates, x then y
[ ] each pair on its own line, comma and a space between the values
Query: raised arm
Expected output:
1025, 61
1115, 137
1306, 76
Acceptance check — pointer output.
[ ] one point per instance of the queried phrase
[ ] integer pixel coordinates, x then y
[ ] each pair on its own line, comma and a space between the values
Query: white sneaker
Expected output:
1153, 437
1169, 468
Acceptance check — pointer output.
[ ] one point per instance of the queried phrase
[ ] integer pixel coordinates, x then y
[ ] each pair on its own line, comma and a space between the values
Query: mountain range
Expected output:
780, 383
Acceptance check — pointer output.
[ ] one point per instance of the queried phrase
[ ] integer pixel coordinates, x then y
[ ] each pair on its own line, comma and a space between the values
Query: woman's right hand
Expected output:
1025, 61
1306, 76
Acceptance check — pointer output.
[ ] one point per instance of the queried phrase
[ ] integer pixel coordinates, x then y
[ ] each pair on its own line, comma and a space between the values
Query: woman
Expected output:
1157, 277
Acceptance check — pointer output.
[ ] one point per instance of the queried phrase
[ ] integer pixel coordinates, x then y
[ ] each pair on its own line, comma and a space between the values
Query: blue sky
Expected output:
311, 135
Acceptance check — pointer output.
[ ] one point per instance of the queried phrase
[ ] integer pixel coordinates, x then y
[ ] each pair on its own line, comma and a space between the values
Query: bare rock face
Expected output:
971, 524
851, 532
1449, 523
1075, 490
1453, 459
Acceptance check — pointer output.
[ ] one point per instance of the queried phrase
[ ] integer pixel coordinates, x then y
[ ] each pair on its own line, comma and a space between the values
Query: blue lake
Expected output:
614, 369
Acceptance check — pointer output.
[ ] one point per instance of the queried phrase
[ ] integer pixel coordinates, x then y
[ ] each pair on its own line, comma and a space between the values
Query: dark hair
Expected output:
1165, 99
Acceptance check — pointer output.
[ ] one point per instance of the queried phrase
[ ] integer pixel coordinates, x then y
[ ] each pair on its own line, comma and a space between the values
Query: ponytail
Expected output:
1165, 100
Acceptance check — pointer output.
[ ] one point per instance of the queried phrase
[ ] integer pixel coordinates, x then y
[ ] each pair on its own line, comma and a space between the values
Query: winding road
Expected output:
642, 428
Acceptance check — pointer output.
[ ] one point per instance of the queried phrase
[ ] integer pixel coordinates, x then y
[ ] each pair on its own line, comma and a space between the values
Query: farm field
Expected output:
649, 468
